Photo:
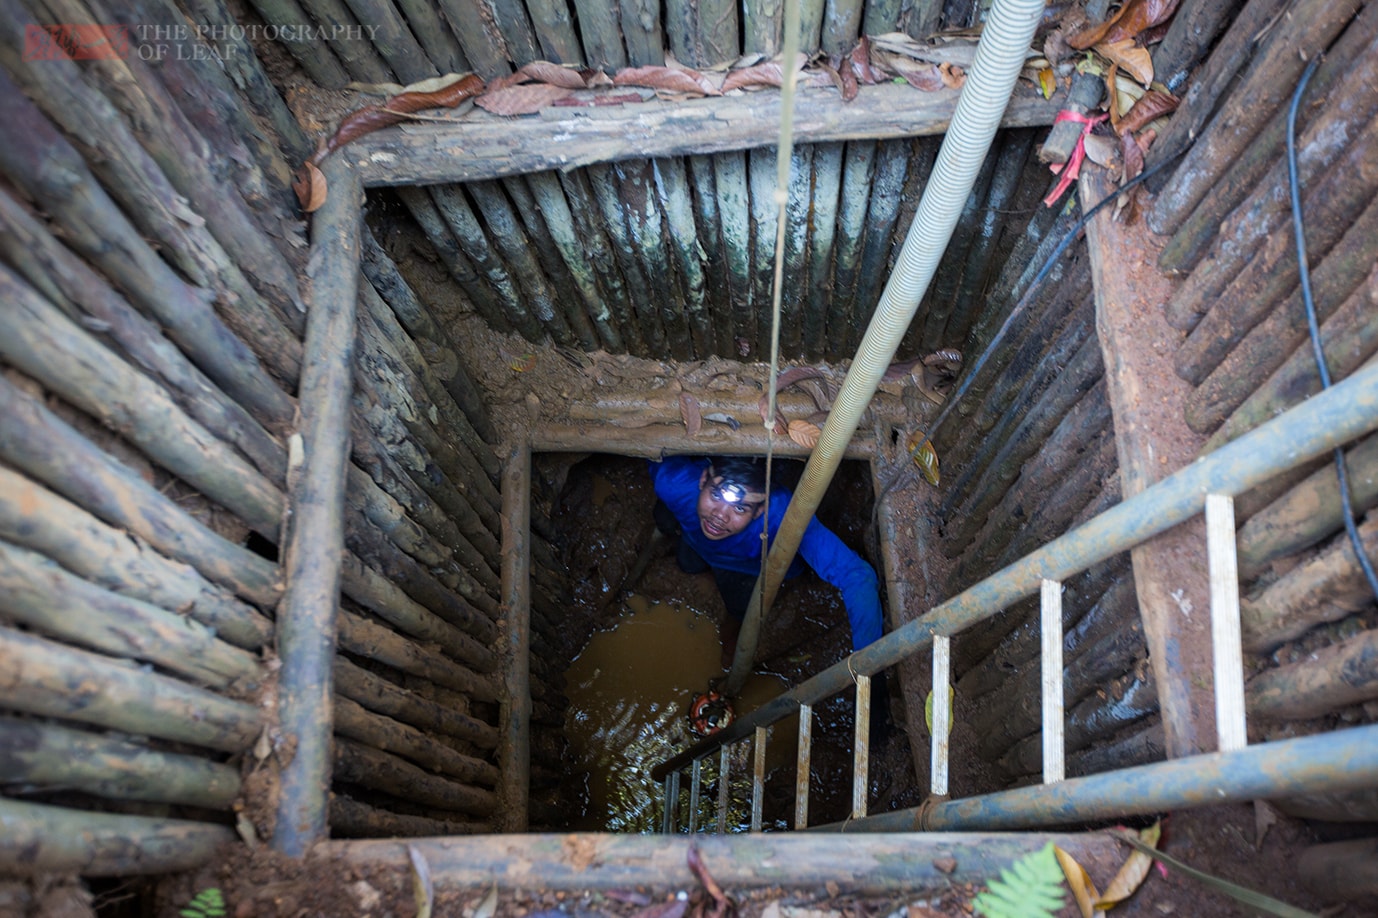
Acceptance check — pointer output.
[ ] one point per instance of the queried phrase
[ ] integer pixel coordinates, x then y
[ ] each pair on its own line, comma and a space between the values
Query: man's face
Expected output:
720, 518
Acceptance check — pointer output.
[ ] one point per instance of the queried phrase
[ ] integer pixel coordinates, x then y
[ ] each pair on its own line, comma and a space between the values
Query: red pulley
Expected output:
709, 713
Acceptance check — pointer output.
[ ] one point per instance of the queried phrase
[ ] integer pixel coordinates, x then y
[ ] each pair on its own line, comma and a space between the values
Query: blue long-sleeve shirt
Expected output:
676, 481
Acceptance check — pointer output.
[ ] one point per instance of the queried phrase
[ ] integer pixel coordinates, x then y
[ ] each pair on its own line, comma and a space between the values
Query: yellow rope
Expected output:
784, 153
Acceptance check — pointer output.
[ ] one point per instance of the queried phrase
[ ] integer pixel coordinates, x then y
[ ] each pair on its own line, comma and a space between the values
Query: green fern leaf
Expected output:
1030, 888
208, 903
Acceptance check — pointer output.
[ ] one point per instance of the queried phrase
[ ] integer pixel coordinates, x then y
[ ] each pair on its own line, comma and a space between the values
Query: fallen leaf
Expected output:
1047, 82
667, 78
310, 186
487, 908
523, 363
526, 99
804, 433
1133, 18
1079, 881
1102, 150
952, 76
422, 886
1133, 872
928, 708
1132, 59
1264, 818
398, 108
924, 456
1151, 106
554, 74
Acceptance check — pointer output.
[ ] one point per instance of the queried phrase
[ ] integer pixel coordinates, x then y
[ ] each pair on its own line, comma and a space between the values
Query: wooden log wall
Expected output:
152, 260
1308, 613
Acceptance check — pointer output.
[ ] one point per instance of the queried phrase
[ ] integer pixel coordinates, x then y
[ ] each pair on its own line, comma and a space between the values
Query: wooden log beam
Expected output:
351, 819
860, 863
1153, 441
47, 755
1192, 32
657, 440
1341, 871
514, 753
1310, 511
1147, 745
1326, 588
378, 694
378, 770
316, 492
485, 146
41, 839
33, 516
43, 677
1325, 681
38, 593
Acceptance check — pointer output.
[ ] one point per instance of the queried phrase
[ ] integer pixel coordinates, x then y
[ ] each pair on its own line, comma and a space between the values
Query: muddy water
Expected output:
629, 690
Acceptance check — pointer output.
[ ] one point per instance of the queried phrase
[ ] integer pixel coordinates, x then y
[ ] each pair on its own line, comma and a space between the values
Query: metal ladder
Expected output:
1317, 426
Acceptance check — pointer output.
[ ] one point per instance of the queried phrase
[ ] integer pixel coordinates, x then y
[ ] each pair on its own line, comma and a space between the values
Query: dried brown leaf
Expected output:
372, 117
666, 78
1134, 60
554, 74
526, 99
804, 433
1133, 18
924, 456
926, 78
1153, 104
1079, 881
1133, 872
952, 76
770, 73
310, 186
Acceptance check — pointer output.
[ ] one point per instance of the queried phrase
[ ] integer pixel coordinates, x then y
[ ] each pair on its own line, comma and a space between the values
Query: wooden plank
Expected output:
483, 146
515, 750
1152, 441
316, 492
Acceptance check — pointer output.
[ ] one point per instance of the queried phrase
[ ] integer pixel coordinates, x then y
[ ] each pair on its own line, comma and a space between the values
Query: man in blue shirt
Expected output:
718, 507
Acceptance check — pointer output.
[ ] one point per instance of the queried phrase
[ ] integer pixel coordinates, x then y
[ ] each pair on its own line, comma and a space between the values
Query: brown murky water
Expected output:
629, 691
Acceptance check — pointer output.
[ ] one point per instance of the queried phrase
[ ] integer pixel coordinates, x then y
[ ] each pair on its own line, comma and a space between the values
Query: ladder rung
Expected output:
1050, 614
942, 720
1227, 652
803, 767
758, 779
861, 752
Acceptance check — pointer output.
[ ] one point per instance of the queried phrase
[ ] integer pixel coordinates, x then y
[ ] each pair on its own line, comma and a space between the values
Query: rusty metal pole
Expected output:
999, 57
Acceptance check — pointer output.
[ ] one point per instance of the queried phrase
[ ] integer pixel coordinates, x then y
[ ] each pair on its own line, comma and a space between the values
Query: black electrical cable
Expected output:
1312, 325
1019, 307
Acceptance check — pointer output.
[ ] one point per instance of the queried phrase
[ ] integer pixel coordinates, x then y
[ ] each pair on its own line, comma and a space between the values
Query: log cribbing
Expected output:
1127, 700
657, 440
315, 57
391, 37
1344, 80
432, 339
41, 839
473, 291
858, 172
47, 755
1192, 32
1258, 97
1310, 511
367, 638
634, 185
1212, 80
1342, 871
351, 819
943, 289
827, 186
1152, 442
574, 189
39, 594
378, 694
41, 163
352, 720
1147, 745
37, 442
601, 187
1326, 588
896, 160
514, 751
43, 677
672, 184
1334, 205
61, 275
1274, 367
485, 147
377, 770
1336, 806
308, 613
33, 516
359, 57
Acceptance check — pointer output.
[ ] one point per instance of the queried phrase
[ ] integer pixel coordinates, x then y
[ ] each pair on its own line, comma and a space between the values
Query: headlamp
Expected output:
730, 493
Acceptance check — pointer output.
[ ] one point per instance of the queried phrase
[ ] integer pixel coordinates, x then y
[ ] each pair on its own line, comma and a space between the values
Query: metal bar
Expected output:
1330, 762
803, 767
1334, 417
1054, 765
861, 750
942, 715
758, 779
695, 782
724, 767
1227, 652
667, 819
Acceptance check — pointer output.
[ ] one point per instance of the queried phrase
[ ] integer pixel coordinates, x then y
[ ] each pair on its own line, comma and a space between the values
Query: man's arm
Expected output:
845, 569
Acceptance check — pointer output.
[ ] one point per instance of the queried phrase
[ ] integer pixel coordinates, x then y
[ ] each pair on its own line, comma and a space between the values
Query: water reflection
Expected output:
629, 690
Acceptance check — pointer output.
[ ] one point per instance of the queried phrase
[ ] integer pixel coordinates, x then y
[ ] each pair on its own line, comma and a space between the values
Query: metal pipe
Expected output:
1339, 761
1000, 55
1347, 410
